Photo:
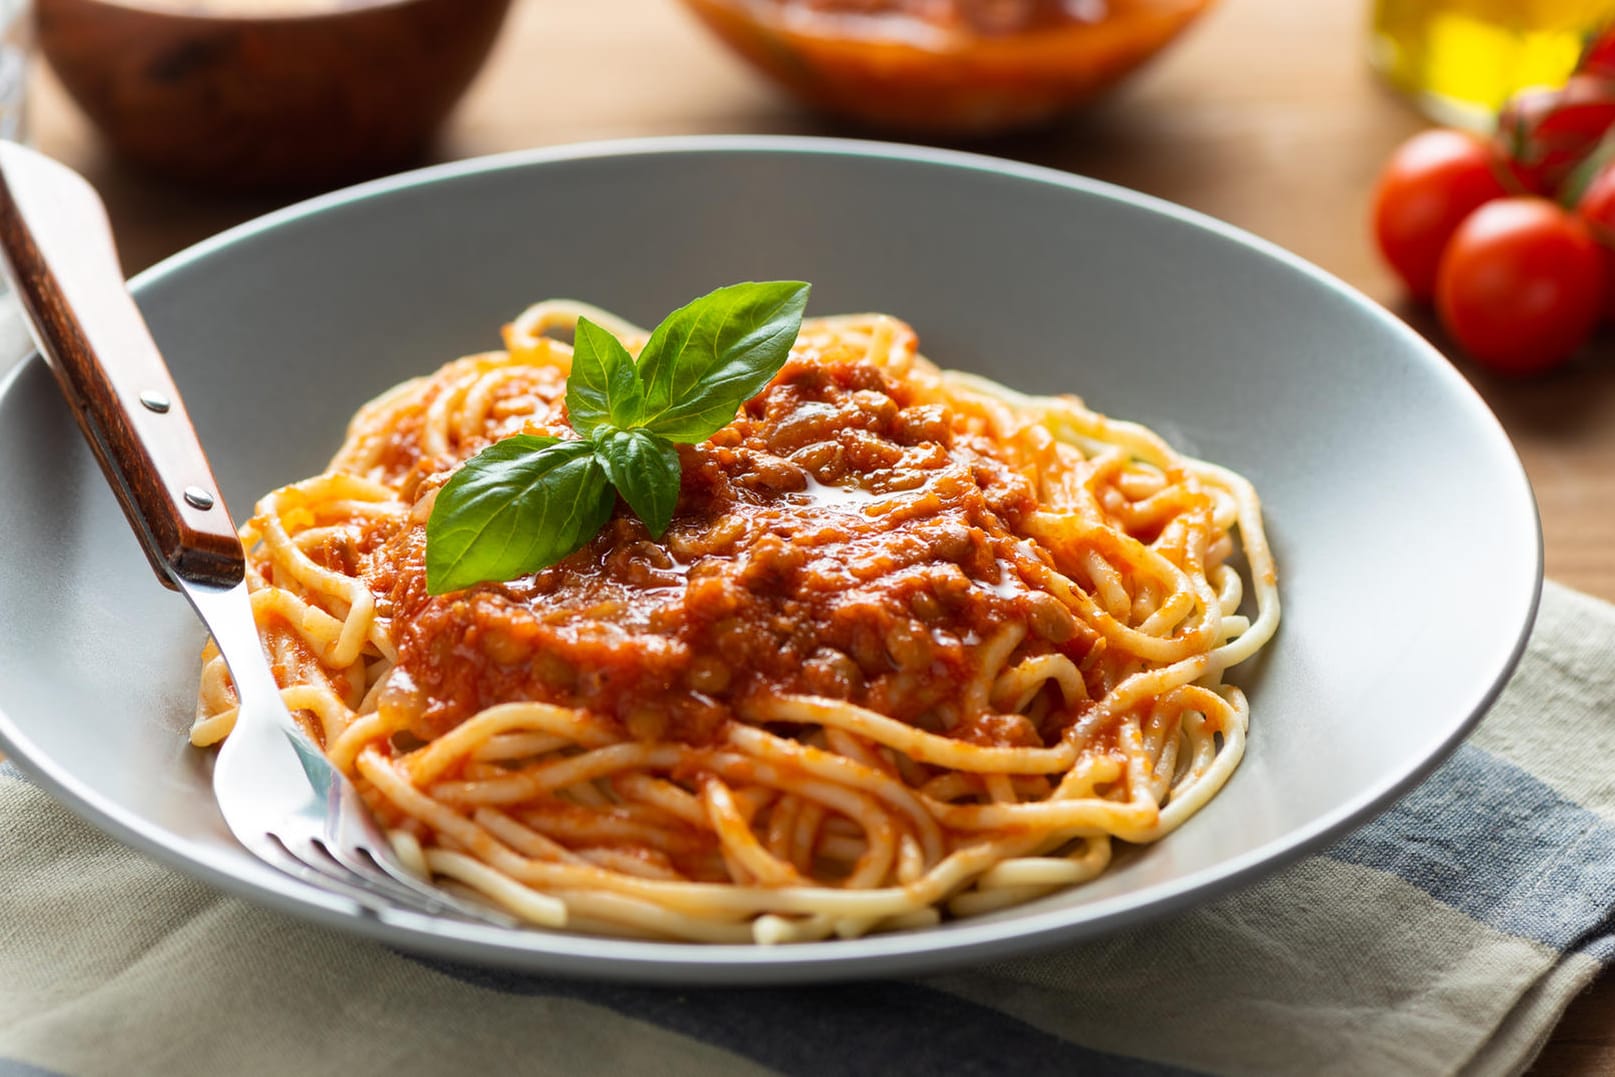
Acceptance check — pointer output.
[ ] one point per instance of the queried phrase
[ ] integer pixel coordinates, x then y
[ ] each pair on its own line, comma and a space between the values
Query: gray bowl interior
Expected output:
1397, 508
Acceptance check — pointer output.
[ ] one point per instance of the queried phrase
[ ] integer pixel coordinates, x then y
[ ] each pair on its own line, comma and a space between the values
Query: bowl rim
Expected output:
585, 956
906, 30
172, 11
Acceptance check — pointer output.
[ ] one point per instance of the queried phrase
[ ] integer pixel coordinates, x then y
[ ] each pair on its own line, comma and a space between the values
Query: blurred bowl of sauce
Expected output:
947, 67
268, 93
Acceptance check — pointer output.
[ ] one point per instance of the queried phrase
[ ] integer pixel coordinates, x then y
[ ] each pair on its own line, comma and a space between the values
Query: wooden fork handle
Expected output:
57, 246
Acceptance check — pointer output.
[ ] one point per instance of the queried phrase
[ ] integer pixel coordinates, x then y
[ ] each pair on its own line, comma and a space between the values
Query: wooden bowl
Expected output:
317, 96
902, 73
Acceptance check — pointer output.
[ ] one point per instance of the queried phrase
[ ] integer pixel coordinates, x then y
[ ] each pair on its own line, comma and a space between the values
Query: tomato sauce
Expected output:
839, 538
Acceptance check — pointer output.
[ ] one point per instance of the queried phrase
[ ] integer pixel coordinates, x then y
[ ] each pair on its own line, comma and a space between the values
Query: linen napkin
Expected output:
1445, 937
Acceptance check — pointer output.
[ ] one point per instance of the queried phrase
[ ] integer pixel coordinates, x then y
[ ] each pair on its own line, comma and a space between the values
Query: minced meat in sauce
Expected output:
837, 539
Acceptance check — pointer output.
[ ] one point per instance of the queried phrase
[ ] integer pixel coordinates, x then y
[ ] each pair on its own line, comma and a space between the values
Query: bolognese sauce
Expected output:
837, 539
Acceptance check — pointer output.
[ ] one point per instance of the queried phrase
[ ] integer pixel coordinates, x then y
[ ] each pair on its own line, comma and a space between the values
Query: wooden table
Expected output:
1263, 116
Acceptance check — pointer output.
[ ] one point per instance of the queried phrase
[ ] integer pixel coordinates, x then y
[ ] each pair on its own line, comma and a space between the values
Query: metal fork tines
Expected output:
284, 800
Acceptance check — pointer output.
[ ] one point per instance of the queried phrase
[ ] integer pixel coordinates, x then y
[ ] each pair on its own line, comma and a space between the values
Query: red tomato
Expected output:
1521, 285
1543, 134
1597, 208
1598, 58
1430, 184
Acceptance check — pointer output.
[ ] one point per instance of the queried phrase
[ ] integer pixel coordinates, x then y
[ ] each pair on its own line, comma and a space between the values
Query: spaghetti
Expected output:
914, 645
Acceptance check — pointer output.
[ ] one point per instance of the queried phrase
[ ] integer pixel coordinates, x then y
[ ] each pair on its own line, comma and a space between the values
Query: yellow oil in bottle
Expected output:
1460, 60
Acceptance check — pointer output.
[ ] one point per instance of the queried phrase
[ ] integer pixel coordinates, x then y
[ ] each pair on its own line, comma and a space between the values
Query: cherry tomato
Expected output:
1598, 58
1430, 184
1521, 285
1597, 208
1543, 134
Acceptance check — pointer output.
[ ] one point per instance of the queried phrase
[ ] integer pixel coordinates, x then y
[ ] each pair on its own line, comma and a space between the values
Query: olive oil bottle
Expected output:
1459, 60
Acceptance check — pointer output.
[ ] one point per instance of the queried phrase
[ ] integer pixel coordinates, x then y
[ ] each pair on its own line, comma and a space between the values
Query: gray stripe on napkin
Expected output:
848, 1029
1487, 837
1326, 968
1557, 717
1601, 947
10, 1067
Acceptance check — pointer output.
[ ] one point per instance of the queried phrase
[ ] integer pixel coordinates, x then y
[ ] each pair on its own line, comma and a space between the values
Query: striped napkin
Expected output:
1446, 937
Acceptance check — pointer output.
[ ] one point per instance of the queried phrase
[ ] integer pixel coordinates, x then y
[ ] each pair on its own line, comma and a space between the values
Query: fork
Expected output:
277, 792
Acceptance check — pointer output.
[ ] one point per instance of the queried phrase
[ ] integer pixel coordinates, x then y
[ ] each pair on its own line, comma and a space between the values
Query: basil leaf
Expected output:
645, 470
604, 385
526, 502
519, 505
709, 357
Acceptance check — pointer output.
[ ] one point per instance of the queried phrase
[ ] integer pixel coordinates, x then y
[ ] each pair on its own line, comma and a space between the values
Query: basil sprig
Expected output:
526, 502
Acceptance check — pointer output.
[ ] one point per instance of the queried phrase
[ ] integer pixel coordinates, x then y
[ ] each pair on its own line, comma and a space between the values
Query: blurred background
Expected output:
1283, 117
1265, 113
